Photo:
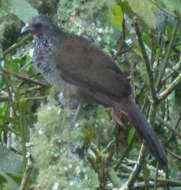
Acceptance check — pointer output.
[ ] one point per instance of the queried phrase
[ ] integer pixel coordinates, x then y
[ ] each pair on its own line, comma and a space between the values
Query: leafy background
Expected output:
42, 147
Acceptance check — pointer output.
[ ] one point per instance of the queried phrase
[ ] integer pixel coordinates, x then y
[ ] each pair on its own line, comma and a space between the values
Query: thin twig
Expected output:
167, 54
168, 126
176, 126
137, 168
146, 60
17, 45
175, 70
174, 155
156, 177
4, 98
161, 183
165, 11
170, 88
26, 176
24, 78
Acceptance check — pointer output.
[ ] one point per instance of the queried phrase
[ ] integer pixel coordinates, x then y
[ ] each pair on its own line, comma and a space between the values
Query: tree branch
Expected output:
168, 126
24, 78
26, 176
146, 60
133, 176
174, 155
170, 88
167, 54
17, 45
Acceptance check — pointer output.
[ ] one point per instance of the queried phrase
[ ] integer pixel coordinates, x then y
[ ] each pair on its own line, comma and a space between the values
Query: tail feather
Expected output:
139, 121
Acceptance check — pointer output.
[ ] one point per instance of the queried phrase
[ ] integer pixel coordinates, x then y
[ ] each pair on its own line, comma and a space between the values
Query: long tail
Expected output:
138, 120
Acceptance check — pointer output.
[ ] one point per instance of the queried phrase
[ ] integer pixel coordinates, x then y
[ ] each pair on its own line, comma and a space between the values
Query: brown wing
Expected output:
84, 65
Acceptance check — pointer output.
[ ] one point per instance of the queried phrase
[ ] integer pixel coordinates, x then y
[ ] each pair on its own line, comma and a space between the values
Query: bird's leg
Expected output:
76, 114
61, 101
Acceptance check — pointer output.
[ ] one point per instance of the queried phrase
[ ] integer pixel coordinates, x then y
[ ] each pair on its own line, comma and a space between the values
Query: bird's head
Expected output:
39, 26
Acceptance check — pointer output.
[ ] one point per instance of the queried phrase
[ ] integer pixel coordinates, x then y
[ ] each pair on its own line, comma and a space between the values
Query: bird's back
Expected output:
83, 64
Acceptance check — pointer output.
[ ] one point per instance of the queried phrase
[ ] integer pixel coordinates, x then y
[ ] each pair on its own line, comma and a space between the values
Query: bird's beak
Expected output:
25, 29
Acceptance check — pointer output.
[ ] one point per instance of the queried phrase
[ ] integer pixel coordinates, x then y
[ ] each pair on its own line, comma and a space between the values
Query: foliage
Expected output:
42, 147
10, 166
54, 140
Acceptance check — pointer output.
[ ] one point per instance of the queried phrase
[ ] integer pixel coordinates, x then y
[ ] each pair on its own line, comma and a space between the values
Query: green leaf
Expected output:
10, 162
116, 16
11, 183
170, 5
3, 8
131, 136
146, 10
22, 9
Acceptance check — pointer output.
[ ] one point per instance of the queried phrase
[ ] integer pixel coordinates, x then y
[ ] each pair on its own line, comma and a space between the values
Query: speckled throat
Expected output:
43, 61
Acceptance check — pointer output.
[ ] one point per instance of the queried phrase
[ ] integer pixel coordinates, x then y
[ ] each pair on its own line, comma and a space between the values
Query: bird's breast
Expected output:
44, 63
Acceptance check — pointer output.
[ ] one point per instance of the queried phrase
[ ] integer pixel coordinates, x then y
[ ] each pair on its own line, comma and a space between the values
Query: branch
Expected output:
168, 126
133, 176
17, 45
167, 54
24, 78
166, 12
174, 70
146, 60
171, 135
170, 88
161, 183
4, 98
174, 155
26, 176
156, 177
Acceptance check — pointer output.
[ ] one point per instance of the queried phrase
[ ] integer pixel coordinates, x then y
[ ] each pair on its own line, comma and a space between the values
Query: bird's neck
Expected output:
43, 39
42, 59
50, 36
42, 42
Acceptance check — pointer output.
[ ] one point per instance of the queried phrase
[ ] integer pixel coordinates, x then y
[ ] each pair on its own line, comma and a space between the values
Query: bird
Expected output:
85, 73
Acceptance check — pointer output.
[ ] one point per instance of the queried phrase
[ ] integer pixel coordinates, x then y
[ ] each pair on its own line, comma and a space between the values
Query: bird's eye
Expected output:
38, 25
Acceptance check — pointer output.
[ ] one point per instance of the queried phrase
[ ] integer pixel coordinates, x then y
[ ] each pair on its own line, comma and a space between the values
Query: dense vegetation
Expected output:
42, 147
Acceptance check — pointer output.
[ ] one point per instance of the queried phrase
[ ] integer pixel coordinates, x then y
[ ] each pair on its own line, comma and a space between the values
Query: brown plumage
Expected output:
86, 73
